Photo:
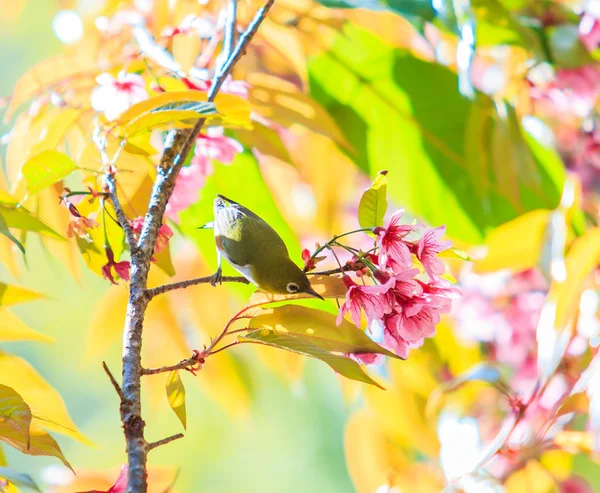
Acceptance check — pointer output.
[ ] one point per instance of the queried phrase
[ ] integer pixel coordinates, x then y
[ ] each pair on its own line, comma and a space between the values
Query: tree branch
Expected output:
111, 182
177, 146
192, 282
164, 441
184, 364
165, 288
113, 381
230, 30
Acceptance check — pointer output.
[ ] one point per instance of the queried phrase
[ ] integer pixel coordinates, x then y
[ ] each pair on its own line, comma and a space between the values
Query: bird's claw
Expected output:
216, 278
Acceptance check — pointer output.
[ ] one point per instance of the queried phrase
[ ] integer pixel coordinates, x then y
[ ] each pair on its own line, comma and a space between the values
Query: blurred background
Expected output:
485, 115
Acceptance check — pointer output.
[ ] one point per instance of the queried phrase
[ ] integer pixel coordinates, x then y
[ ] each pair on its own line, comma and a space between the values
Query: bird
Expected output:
255, 250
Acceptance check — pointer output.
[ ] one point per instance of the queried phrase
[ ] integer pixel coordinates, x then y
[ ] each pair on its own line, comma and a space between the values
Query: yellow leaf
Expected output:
505, 252
326, 286
48, 72
176, 396
164, 118
373, 203
12, 328
580, 261
401, 415
45, 403
15, 414
319, 328
288, 42
575, 403
13, 295
230, 107
575, 442
281, 101
533, 478
340, 364
371, 457
559, 462
39, 442
45, 169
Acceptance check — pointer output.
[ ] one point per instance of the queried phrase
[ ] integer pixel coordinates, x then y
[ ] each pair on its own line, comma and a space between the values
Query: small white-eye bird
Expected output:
255, 250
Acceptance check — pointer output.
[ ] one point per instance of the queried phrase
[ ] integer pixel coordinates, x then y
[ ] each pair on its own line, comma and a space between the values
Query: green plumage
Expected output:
255, 249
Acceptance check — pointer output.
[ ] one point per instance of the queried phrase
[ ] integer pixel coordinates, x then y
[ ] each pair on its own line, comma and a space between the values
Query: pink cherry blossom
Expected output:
165, 233
187, 186
215, 145
211, 145
367, 298
428, 248
114, 96
589, 32
367, 358
120, 268
394, 252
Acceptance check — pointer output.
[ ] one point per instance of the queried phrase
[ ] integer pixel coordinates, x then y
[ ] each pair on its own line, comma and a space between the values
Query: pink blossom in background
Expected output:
211, 145
165, 233
215, 145
589, 32
114, 96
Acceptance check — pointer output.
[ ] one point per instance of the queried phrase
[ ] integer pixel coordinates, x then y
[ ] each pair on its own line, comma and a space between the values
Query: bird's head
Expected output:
288, 278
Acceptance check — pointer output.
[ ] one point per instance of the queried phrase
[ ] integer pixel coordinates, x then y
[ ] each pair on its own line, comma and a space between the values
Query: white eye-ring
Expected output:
292, 287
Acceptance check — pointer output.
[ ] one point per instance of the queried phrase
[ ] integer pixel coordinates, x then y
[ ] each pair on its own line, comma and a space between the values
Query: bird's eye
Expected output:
292, 287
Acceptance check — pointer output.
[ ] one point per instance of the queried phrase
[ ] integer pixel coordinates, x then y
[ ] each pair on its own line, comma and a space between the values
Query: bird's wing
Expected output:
241, 235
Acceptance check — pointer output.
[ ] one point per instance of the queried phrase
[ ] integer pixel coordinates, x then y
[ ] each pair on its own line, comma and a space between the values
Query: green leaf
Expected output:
15, 414
19, 479
45, 169
408, 8
406, 115
21, 218
179, 114
566, 48
13, 295
373, 203
342, 365
6, 232
176, 396
456, 253
319, 328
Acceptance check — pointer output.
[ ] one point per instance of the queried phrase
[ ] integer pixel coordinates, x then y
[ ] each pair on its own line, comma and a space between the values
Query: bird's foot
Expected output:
216, 278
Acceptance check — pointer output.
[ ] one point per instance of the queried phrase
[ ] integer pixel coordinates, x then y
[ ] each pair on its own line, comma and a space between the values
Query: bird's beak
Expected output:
312, 292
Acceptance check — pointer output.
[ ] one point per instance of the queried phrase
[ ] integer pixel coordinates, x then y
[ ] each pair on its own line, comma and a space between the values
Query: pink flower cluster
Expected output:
211, 145
406, 307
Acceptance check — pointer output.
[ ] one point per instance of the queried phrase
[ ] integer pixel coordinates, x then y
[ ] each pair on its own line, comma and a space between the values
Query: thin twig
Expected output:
227, 346
165, 288
192, 282
164, 441
184, 364
111, 182
230, 30
114, 382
